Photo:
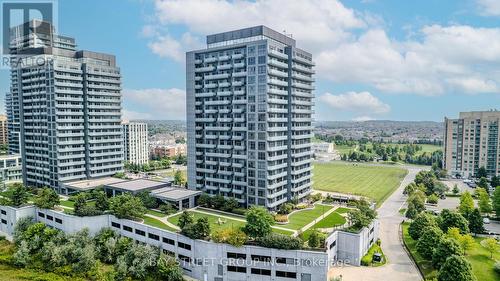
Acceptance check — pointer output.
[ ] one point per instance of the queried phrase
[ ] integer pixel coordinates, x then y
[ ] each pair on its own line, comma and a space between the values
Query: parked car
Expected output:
486, 220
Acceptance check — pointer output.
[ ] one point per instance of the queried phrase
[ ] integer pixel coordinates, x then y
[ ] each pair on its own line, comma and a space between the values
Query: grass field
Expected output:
478, 256
299, 219
156, 223
331, 220
155, 213
375, 182
213, 219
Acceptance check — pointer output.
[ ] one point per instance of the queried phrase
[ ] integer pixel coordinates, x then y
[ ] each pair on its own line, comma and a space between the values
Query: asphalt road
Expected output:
399, 266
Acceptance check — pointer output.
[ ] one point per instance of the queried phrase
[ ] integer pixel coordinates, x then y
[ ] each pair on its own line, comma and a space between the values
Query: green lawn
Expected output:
213, 219
156, 223
344, 149
66, 203
367, 259
155, 213
375, 182
478, 256
331, 220
299, 219
429, 148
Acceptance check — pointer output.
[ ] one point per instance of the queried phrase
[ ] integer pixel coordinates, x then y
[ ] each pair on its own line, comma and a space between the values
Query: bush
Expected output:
496, 267
432, 199
280, 241
422, 222
285, 209
167, 209
281, 218
240, 211
232, 236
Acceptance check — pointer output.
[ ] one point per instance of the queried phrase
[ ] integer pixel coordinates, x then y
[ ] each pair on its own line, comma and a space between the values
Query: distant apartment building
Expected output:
249, 107
472, 142
323, 147
10, 169
64, 108
135, 139
3, 130
163, 151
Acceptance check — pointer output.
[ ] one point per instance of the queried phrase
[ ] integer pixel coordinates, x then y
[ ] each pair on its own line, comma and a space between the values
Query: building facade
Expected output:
162, 151
64, 108
135, 139
472, 142
249, 114
3, 130
11, 169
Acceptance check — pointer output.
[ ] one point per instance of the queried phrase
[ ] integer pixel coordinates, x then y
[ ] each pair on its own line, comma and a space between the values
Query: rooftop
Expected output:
174, 193
137, 185
89, 184
249, 32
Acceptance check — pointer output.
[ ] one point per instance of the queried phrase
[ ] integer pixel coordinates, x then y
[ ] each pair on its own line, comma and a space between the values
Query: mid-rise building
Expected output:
163, 151
64, 108
3, 130
136, 147
249, 114
10, 170
472, 142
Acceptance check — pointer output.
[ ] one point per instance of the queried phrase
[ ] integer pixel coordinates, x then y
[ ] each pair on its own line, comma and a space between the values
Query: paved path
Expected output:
163, 220
399, 266
311, 224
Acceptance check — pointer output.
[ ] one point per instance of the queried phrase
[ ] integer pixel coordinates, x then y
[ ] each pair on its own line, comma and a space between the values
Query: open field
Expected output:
156, 223
333, 219
478, 256
375, 182
214, 218
299, 219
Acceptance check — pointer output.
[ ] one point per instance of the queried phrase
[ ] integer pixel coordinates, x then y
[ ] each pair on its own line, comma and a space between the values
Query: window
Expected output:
262, 59
50, 218
260, 271
4, 221
286, 274
333, 244
184, 246
115, 225
154, 236
262, 69
168, 241
239, 269
127, 228
236, 256
184, 258
168, 253
42, 215
285, 260
251, 61
140, 232
4, 212
58, 220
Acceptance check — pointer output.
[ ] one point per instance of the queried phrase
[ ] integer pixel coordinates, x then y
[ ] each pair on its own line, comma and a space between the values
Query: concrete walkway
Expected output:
164, 220
399, 265
311, 224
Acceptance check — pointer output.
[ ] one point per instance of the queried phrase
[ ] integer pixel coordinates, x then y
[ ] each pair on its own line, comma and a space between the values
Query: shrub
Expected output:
127, 206
281, 218
259, 222
167, 209
496, 267
232, 236
285, 209
240, 211
422, 222
432, 199
280, 241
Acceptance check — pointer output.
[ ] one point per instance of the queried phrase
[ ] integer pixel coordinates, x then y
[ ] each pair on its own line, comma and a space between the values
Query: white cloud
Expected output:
168, 47
489, 7
362, 102
157, 103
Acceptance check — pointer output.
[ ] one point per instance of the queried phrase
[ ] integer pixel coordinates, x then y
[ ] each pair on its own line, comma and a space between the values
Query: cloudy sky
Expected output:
375, 59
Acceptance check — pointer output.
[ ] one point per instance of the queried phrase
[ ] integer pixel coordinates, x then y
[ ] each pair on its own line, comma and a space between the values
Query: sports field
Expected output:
375, 182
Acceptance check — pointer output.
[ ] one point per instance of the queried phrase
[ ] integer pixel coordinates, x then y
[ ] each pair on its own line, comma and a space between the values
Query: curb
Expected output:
402, 241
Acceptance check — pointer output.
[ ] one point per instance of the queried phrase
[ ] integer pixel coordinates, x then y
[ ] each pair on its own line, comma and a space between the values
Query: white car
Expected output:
486, 220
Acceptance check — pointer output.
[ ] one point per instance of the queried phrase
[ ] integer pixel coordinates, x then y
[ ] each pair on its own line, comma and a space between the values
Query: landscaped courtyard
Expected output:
372, 181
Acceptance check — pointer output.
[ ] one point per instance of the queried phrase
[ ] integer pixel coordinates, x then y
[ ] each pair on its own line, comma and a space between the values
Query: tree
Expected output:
422, 222
285, 208
451, 219
167, 268
46, 198
466, 204
101, 201
432, 199
313, 240
198, 230
358, 219
259, 222
185, 219
428, 241
483, 183
179, 178
466, 242
445, 248
484, 201
491, 245
231, 236
280, 241
496, 201
81, 206
476, 222
416, 204
17, 195
456, 190
495, 181
167, 209
481, 173
229, 205
147, 200
127, 206
456, 268
411, 211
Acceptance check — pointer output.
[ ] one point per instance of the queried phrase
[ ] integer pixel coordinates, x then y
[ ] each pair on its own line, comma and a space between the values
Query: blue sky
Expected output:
376, 59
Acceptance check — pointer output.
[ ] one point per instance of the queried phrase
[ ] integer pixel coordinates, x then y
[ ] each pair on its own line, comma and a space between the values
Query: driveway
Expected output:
399, 266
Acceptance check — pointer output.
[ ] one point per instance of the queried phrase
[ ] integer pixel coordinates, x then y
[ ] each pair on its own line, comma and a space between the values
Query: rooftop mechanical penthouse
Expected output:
249, 107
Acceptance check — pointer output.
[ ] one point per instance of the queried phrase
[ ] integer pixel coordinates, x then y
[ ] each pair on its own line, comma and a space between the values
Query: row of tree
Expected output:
156, 164
81, 255
444, 240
